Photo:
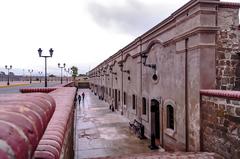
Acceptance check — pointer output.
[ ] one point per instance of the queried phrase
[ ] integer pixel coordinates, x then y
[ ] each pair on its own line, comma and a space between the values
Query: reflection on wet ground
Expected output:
101, 132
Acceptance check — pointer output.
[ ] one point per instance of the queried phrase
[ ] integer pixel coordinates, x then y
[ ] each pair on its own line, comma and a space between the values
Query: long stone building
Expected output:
157, 78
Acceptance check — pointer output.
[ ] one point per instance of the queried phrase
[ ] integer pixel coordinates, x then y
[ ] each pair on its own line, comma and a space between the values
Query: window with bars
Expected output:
119, 97
133, 101
170, 117
144, 106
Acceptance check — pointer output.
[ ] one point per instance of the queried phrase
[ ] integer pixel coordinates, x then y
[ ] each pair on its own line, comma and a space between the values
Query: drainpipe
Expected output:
122, 82
161, 114
112, 94
140, 39
186, 95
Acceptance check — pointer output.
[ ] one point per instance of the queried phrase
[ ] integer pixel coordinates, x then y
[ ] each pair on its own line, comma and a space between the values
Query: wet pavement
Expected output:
99, 132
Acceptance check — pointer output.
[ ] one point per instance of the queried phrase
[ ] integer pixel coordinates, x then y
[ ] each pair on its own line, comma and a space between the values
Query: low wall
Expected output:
23, 120
83, 85
69, 84
57, 141
220, 122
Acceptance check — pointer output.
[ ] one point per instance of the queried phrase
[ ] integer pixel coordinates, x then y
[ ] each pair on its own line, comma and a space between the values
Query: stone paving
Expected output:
169, 155
101, 132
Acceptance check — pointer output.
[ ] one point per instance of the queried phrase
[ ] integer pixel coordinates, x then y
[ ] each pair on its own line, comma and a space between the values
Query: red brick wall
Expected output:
57, 140
220, 122
23, 120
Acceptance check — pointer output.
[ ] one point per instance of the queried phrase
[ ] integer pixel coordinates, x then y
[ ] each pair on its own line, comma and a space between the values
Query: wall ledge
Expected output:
229, 5
221, 93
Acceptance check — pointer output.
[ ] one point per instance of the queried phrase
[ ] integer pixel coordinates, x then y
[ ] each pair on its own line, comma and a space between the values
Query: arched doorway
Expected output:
102, 93
115, 99
155, 124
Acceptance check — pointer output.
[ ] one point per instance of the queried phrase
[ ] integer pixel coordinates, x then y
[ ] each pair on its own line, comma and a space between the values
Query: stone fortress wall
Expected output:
195, 48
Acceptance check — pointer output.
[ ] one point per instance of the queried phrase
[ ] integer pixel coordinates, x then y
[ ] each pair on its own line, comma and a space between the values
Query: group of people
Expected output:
79, 97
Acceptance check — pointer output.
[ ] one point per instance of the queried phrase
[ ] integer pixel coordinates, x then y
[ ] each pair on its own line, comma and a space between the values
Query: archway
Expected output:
102, 93
115, 99
155, 124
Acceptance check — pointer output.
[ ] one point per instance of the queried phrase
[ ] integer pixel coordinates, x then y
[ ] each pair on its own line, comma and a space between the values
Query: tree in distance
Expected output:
74, 70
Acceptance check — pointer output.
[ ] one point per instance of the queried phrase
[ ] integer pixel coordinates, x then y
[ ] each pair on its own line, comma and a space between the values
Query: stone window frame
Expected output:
168, 131
143, 116
119, 96
124, 98
170, 117
134, 101
144, 106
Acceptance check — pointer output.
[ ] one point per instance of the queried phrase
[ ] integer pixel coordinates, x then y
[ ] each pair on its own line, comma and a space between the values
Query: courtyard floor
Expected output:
99, 132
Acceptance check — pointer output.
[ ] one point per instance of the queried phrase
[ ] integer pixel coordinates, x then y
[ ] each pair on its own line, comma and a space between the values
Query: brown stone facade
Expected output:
228, 49
193, 49
220, 123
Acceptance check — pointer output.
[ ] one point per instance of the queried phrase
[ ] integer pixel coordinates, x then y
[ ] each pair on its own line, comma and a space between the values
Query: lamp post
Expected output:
8, 68
23, 75
61, 67
30, 72
67, 71
45, 56
40, 76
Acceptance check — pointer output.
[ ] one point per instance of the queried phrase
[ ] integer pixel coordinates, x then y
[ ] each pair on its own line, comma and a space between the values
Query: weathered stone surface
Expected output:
220, 124
168, 155
227, 48
238, 111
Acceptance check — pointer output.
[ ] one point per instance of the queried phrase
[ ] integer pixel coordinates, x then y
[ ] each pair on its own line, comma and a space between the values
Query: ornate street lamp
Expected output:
144, 57
30, 72
61, 67
45, 56
8, 68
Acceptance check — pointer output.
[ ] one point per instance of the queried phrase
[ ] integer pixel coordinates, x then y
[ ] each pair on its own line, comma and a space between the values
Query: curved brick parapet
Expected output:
43, 89
221, 93
33, 90
23, 120
54, 141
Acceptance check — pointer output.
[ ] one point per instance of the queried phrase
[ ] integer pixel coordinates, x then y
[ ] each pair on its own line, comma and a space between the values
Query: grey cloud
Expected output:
132, 18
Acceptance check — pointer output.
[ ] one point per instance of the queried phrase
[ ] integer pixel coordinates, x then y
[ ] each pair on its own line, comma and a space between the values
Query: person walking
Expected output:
83, 95
79, 98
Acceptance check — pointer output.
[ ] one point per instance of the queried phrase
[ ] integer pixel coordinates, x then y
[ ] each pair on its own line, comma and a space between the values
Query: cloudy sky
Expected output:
82, 32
